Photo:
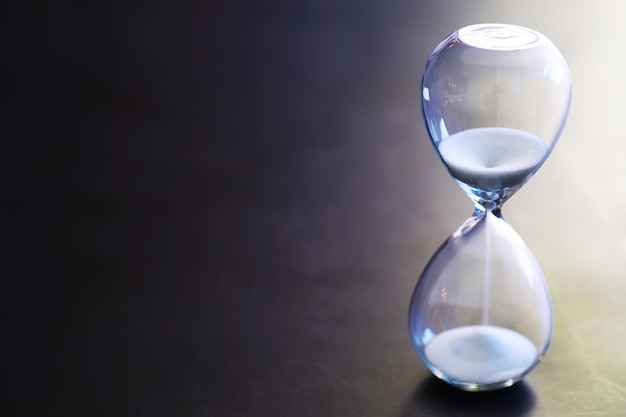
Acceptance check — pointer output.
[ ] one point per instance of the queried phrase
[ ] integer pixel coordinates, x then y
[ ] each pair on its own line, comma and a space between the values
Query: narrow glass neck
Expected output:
489, 200
481, 211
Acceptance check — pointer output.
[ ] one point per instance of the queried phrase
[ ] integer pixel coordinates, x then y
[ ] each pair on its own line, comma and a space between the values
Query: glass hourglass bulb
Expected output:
494, 99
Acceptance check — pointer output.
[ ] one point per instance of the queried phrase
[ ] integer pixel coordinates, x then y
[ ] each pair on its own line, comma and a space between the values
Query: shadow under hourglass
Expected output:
435, 397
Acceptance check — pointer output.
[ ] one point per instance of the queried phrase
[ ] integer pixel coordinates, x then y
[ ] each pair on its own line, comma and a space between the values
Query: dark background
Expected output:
221, 209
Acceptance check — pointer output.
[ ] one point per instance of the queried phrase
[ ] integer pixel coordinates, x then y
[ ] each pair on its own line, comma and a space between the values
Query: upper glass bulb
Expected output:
495, 99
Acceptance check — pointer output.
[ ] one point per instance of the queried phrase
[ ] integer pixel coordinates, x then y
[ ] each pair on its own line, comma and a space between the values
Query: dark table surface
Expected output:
220, 209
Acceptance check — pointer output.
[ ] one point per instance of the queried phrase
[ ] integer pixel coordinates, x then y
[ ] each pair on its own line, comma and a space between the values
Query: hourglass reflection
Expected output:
494, 99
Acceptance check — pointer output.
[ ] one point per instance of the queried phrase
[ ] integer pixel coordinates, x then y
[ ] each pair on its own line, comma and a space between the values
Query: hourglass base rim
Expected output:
473, 386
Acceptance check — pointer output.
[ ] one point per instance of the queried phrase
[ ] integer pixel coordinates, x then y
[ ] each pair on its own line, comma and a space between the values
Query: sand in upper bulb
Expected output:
481, 354
492, 157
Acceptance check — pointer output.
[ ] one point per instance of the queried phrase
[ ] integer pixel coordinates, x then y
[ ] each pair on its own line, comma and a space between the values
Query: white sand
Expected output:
492, 157
481, 354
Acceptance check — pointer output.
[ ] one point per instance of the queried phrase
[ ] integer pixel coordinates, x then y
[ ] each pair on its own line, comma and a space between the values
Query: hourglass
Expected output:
494, 99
